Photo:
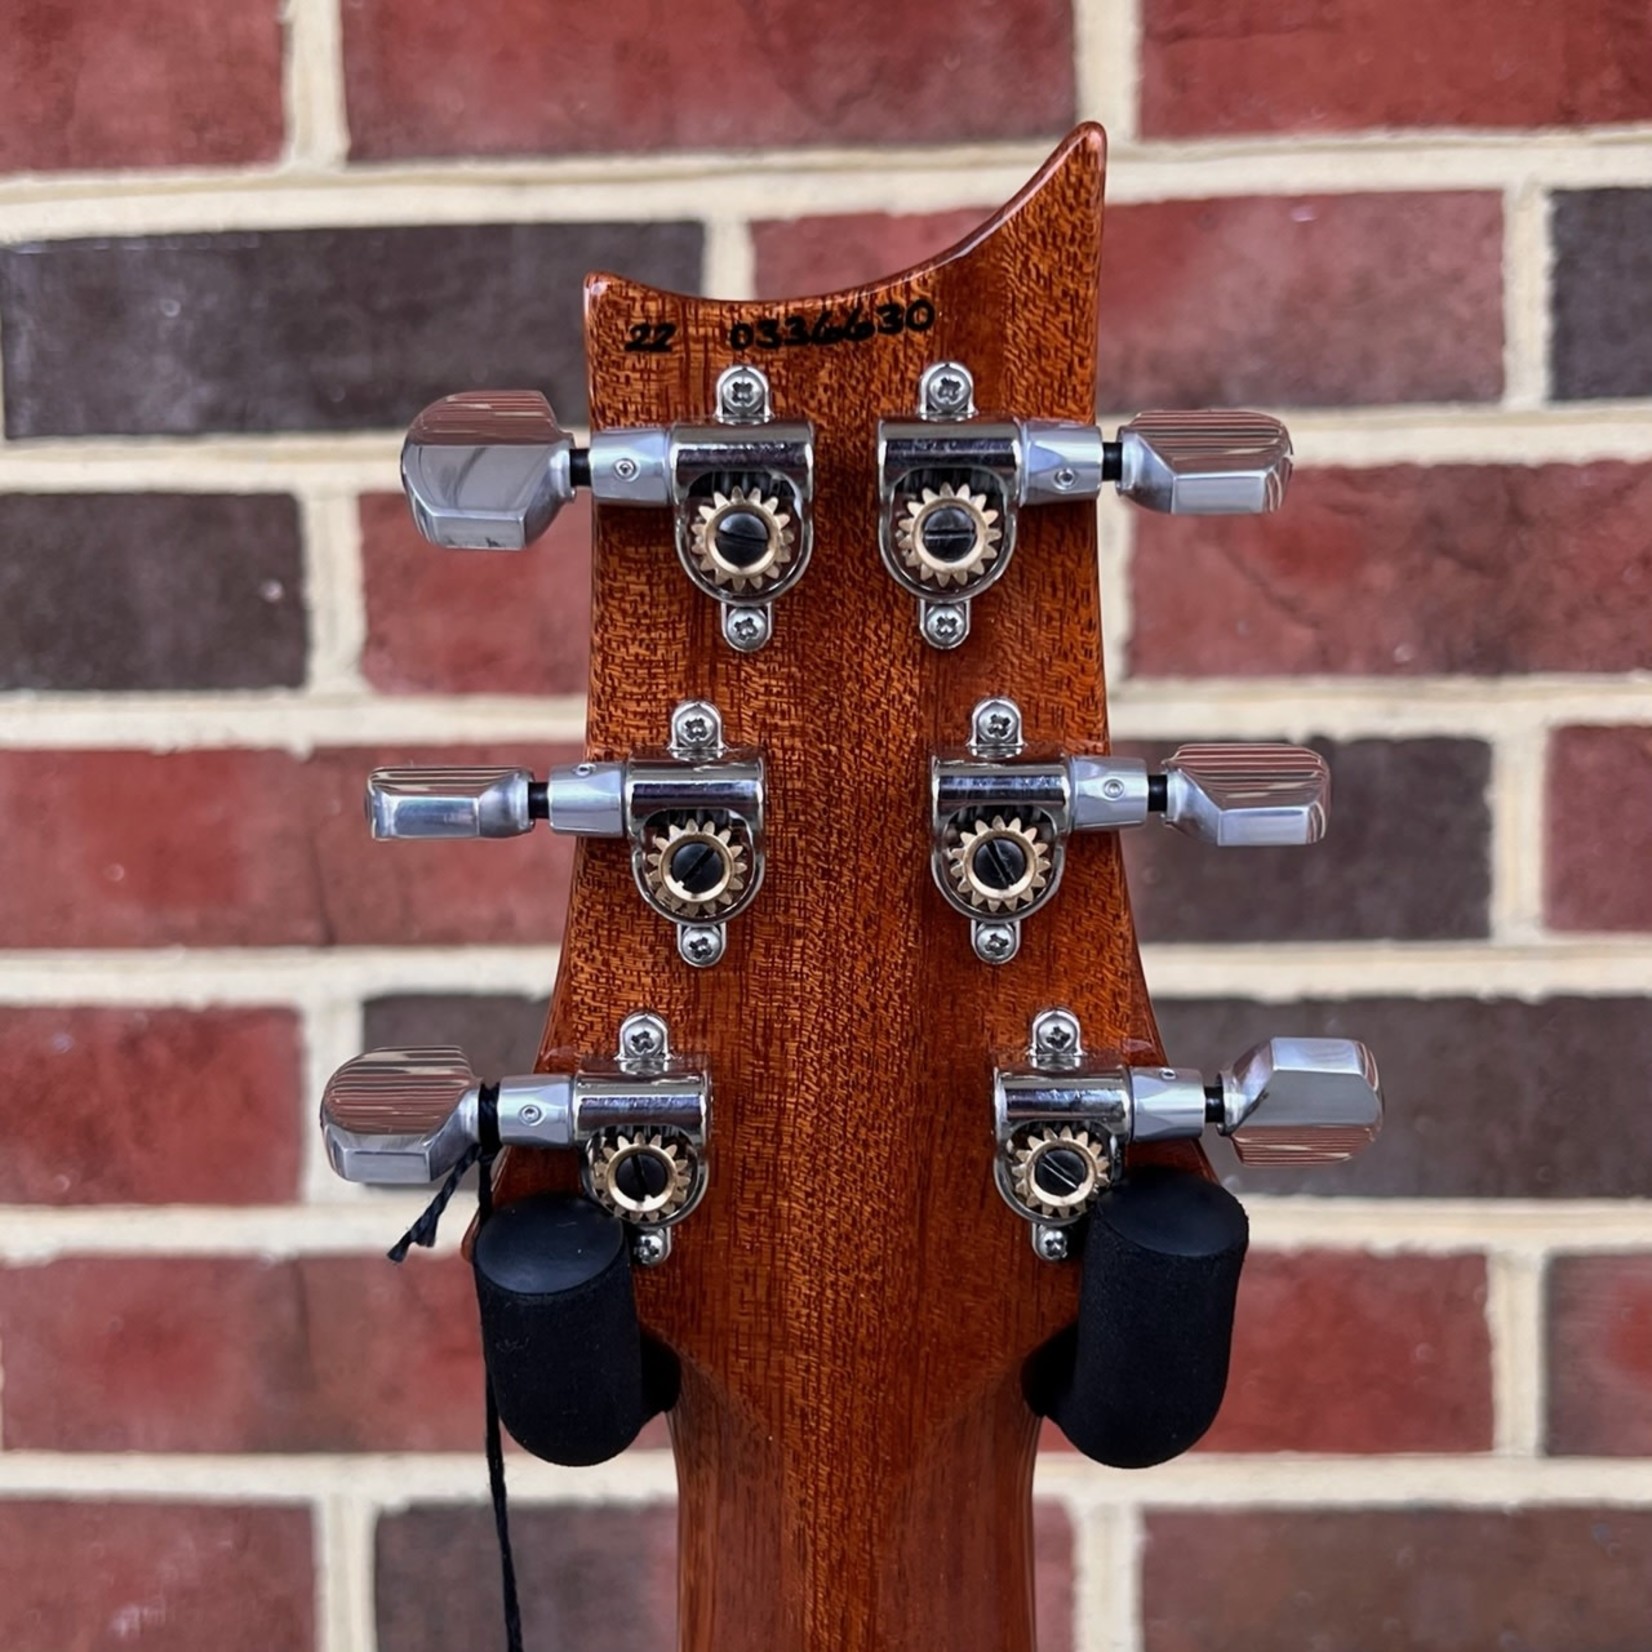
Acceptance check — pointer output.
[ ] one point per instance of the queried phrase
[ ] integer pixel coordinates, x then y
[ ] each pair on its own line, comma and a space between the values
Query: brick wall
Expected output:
242, 241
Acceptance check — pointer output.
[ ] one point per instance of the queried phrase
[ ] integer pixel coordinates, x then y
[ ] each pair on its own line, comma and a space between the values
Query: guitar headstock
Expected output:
852, 876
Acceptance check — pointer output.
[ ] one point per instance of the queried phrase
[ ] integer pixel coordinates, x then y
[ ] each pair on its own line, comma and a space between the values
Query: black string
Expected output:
423, 1232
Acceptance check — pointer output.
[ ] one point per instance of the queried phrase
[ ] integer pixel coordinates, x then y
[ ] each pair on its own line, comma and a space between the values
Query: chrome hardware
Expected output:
1001, 813
1062, 1120
489, 470
404, 1117
692, 811
951, 484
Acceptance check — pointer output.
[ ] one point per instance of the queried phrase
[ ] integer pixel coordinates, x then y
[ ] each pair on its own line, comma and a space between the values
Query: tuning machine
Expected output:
638, 1119
692, 812
1063, 1120
951, 485
489, 470
1001, 813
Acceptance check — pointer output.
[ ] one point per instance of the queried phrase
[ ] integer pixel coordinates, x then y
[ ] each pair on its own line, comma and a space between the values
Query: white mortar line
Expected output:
345, 1617
1517, 801
318, 137
640, 1478
335, 596
1107, 1575
1142, 708
748, 184
1591, 966
1525, 296
1514, 1318
730, 268
353, 1221
1358, 438
1107, 59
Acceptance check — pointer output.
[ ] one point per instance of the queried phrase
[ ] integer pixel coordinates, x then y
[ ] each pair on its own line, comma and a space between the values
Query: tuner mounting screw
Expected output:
995, 943
945, 624
700, 944
742, 396
643, 1040
946, 391
650, 1247
1049, 1243
1056, 1039
696, 729
746, 628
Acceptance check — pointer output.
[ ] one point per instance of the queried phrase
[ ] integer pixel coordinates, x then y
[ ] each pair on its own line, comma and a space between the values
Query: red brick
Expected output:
1600, 1356
446, 622
86, 84
1309, 65
1053, 1590
1411, 570
231, 1354
511, 77
155, 1577
1401, 1580
1339, 1352
1596, 867
149, 1106
254, 848
1310, 301
796, 257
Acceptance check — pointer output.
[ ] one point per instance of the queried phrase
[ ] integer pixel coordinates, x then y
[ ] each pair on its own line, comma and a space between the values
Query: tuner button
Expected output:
449, 803
1301, 1101
1216, 463
1245, 797
397, 1116
487, 470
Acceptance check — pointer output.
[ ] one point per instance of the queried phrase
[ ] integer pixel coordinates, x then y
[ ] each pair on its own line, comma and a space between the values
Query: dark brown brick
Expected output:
306, 329
437, 1577
235, 1354
1309, 301
1216, 66
1402, 1580
1448, 1065
85, 84
1601, 341
151, 591
1413, 570
1600, 1354
257, 848
848, 74
499, 623
1406, 858
1596, 861
111, 1105
797, 256
1343, 1353
109, 1577
500, 1034
1300, 301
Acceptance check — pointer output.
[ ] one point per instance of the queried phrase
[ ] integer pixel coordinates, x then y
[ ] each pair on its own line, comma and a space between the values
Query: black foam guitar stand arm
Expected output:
1141, 1375
573, 1376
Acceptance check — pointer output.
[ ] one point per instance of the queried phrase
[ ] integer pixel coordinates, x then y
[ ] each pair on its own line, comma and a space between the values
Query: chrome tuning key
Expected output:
638, 1119
489, 470
951, 484
1063, 1119
692, 812
1002, 813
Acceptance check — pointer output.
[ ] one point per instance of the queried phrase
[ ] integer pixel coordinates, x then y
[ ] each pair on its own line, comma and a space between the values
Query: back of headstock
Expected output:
849, 897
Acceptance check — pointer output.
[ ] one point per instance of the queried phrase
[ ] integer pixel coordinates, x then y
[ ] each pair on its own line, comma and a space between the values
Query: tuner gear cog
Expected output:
948, 536
695, 868
999, 865
1058, 1172
644, 1177
742, 539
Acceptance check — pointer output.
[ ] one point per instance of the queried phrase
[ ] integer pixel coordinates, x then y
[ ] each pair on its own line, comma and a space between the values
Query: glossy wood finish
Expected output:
853, 1303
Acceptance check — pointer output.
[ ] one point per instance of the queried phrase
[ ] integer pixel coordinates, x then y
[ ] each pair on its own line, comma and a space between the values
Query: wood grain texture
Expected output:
853, 1303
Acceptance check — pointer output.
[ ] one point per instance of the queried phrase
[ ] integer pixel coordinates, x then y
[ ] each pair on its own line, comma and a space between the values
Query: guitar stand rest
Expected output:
1140, 1377
572, 1375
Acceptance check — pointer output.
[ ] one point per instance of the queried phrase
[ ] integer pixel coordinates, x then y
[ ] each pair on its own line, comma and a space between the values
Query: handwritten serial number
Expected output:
850, 325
